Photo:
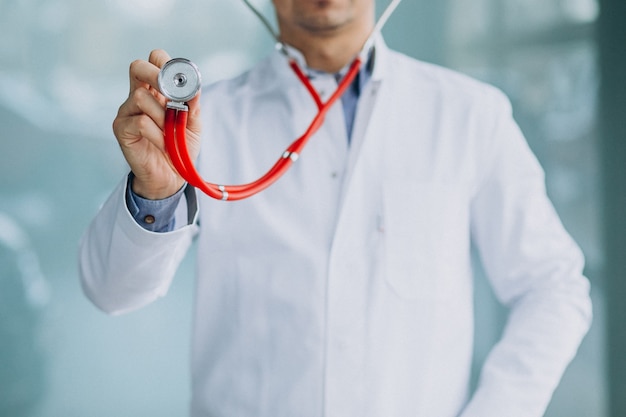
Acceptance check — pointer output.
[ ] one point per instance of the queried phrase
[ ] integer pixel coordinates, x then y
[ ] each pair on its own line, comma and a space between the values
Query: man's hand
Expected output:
139, 125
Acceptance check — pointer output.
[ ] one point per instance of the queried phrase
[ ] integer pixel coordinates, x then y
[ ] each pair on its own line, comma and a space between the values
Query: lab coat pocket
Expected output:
426, 239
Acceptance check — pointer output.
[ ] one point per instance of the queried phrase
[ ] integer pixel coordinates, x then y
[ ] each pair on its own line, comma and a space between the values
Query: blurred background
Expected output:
63, 74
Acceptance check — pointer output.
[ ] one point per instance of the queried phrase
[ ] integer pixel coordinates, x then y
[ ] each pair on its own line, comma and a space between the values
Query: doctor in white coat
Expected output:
345, 289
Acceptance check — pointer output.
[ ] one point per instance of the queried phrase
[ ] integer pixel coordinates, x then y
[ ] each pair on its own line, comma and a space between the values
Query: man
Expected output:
345, 288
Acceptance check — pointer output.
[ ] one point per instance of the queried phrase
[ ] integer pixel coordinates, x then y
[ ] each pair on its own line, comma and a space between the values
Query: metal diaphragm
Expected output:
179, 80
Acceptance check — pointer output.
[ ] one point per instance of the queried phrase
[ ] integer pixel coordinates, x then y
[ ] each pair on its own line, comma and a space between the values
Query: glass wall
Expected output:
63, 74
543, 55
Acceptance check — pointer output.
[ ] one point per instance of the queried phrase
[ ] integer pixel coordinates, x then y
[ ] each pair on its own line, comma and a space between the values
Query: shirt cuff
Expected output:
153, 215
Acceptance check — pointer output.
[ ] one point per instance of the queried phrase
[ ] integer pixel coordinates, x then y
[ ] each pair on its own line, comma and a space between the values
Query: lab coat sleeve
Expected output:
535, 269
124, 267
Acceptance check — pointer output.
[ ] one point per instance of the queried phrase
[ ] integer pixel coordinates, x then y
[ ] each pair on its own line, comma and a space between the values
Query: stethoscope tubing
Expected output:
176, 142
176, 121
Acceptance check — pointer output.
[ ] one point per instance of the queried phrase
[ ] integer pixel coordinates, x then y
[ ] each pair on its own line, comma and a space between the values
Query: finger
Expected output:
146, 73
143, 74
158, 58
142, 101
132, 130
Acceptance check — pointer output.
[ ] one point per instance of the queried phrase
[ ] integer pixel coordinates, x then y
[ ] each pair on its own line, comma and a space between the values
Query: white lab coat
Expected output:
345, 289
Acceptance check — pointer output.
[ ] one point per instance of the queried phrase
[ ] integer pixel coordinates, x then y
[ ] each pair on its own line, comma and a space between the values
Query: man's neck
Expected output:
329, 55
329, 52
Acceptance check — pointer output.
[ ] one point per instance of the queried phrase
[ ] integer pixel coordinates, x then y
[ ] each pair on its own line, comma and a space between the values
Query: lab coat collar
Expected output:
377, 60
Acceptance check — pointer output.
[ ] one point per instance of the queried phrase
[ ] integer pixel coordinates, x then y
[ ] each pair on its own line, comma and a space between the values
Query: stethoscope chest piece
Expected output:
179, 80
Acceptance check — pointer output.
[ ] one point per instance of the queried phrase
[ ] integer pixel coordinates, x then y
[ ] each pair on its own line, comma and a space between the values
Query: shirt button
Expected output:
149, 219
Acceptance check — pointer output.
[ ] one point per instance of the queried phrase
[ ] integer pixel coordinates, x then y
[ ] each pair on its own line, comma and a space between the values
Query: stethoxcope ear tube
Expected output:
179, 81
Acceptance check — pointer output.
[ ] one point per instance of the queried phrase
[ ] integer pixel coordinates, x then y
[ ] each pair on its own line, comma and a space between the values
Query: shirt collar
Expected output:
374, 67
298, 56
362, 78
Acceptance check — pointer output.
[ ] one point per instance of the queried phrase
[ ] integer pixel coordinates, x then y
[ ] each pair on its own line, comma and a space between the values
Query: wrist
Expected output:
151, 191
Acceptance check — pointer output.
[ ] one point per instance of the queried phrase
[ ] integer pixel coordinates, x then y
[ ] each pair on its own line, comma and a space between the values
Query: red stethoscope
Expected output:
180, 81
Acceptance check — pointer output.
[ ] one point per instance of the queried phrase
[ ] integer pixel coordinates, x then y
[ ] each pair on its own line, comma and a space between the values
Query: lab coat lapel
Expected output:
371, 128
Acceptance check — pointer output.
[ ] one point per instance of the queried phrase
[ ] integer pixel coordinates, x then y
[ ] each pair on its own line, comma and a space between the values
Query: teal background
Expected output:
63, 74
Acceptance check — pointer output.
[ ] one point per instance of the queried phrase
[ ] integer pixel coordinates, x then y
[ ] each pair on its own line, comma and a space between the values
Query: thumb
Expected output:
193, 121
